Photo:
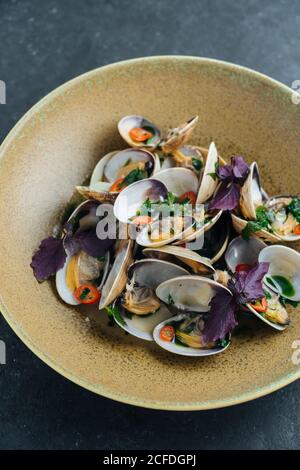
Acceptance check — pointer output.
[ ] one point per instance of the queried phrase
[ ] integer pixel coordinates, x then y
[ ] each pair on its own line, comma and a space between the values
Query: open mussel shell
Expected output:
278, 204
190, 295
208, 184
197, 263
166, 230
240, 224
179, 348
242, 251
77, 270
252, 194
283, 275
117, 276
178, 136
178, 180
216, 240
130, 201
148, 273
127, 123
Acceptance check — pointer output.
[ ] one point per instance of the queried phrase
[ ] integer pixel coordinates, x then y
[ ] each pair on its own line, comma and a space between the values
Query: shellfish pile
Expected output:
201, 242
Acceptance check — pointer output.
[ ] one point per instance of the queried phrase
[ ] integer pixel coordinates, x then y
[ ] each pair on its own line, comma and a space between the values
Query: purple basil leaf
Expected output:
246, 286
221, 319
227, 197
49, 258
91, 244
240, 168
224, 172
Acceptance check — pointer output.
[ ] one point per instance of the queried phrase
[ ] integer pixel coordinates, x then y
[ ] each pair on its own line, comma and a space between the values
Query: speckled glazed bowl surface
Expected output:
55, 146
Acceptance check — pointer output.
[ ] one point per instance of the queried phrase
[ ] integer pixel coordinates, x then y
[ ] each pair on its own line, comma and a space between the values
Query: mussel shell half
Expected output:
182, 350
129, 122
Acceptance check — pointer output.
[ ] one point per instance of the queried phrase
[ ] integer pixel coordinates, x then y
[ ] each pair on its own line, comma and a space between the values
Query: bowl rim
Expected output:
98, 389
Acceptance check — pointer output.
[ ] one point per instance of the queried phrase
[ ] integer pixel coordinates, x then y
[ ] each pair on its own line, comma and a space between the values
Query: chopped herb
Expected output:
100, 258
214, 175
197, 163
114, 312
84, 293
222, 343
170, 300
133, 176
171, 199
262, 222
294, 208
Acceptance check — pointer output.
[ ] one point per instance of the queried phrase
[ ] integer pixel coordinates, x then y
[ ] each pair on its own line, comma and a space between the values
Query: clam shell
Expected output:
208, 185
98, 172
274, 325
142, 327
149, 273
178, 180
252, 195
117, 277
178, 136
61, 285
286, 199
60, 281
152, 272
181, 350
284, 262
131, 199
190, 237
239, 225
129, 122
242, 251
119, 159
144, 239
101, 196
189, 293
217, 237
199, 264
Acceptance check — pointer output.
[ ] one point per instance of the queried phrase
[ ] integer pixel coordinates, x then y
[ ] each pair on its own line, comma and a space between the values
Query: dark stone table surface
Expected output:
45, 43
